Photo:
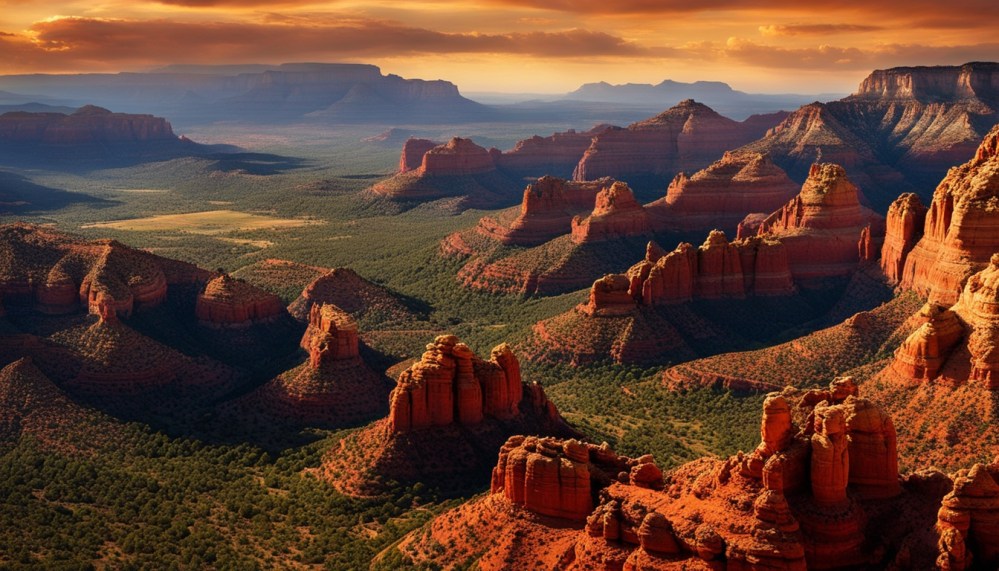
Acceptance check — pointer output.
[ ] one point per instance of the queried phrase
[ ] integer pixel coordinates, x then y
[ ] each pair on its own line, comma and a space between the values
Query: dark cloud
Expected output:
816, 29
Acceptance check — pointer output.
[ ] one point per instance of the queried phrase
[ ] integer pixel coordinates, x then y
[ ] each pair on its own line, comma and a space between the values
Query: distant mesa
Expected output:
901, 130
806, 497
445, 411
647, 154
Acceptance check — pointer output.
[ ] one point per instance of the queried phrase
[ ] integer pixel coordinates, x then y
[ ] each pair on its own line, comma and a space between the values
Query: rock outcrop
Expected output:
447, 414
334, 387
686, 137
457, 157
451, 385
923, 353
412, 153
978, 307
546, 212
903, 229
968, 521
615, 214
821, 491
555, 155
722, 194
962, 228
230, 302
364, 300
57, 273
821, 226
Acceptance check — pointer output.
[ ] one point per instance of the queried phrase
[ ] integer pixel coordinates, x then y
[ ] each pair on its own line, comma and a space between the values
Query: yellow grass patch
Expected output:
209, 222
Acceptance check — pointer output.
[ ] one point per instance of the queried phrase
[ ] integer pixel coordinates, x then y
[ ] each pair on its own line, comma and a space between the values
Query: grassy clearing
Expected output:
208, 222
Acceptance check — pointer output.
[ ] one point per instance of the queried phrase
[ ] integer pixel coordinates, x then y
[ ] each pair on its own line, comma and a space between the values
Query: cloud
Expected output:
815, 29
930, 8
827, 57
74, 41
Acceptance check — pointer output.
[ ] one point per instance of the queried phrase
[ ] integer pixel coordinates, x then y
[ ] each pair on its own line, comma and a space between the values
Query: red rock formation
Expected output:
230, 302
923, 353
821, 225
451, 385
412, 153
546, 212
720, 195
616, 213
719, 268
347, 290
904, 227
88, 125
557, 154
457, 157
962, 228
750, 225
686, 137
968, 520
978, 307
331, 336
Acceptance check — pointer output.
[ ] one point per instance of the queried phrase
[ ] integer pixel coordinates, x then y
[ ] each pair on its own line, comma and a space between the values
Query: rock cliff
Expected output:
412, 153
686, 137
89, 125
960, 232
615, 214
555, 155
457, 157
903, 229
721, 195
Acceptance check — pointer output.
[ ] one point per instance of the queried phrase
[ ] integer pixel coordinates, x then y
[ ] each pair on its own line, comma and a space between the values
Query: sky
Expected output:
518, 46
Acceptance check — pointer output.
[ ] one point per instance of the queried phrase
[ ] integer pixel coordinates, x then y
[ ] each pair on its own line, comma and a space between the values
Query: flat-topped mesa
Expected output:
962, 227
547, 210
976, 80
331, 336
616, 213
560, 478
721, 194
557, 154
923, 353
451, 385
978, 307
821, 226
686, 137
231, 302
413, 150
968, 521
88, 125
457, 157
903, 228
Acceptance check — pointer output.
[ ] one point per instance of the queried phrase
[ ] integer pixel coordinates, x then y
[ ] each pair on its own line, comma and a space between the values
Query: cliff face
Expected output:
904, 128
821, 226
88, 125
413, 150
903, 228
686, 137
722, 194
555, 155
960, 232
615, 214
457, 157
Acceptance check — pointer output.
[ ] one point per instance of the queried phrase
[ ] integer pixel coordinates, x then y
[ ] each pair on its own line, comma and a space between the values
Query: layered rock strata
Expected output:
616, 213
903, 229
230, 302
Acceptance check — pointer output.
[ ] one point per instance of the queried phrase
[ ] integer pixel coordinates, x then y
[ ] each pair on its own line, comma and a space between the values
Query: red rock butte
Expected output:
87, 125
822, 225
457, 157
961, 231
821, 491
446, 410
616, 213
231, 302
720, 195
58, 273
686, 137
334, 387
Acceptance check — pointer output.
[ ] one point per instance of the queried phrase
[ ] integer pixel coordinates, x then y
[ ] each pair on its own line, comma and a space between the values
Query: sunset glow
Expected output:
509, 45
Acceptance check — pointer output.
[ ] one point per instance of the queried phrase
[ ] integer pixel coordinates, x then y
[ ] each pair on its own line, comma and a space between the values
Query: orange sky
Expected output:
511, 45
